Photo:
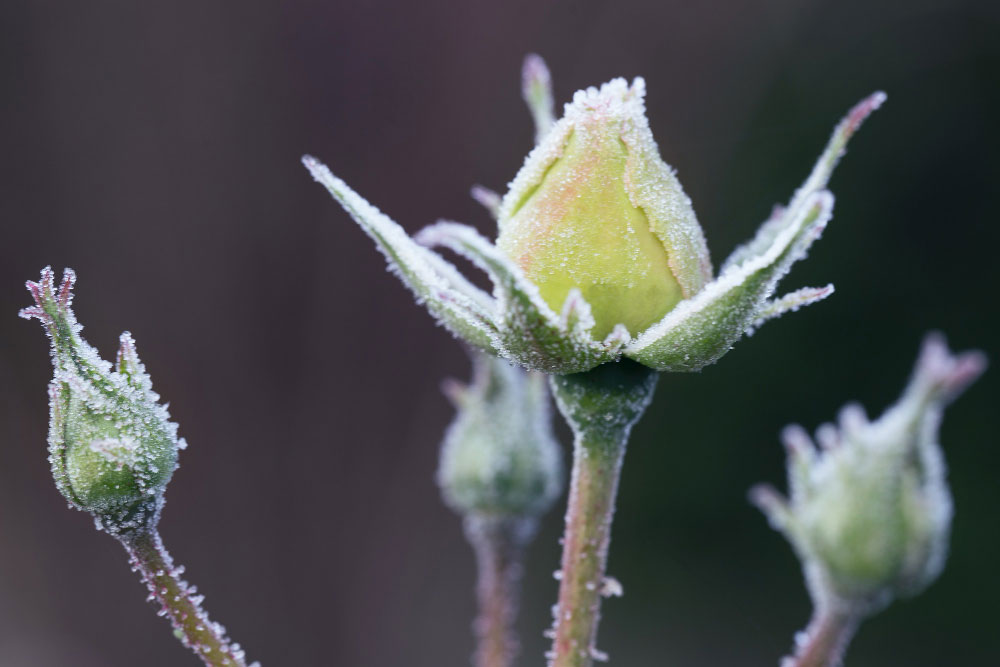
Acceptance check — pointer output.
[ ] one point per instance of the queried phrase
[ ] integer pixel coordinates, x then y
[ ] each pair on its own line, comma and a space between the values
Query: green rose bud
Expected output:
111, 445
595, 208
870, 511
500, 458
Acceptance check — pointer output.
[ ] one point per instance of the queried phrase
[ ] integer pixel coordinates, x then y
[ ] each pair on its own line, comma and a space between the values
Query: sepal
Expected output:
536, 88
530, 332
457, 304
700, 330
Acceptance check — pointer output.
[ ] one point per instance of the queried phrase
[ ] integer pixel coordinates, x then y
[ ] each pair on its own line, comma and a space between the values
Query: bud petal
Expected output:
595, 208
500, 457
870, 513
112, 447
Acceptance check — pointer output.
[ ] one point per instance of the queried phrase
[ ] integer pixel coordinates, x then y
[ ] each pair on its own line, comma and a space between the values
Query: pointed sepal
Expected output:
702, 329
457, 304
536, 88
488, 199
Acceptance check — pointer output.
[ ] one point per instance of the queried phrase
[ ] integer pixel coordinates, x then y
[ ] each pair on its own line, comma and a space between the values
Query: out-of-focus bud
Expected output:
869, 512
112, 447
595, 208
500, 458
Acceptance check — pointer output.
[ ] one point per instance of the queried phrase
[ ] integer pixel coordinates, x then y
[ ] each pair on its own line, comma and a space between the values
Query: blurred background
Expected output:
154, 148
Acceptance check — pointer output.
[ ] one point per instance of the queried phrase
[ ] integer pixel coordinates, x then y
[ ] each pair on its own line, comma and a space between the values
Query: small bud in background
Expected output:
501, 468
500, 457
112, 447
869, 511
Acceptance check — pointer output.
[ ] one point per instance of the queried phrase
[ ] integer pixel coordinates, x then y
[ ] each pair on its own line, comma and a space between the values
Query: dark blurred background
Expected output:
154, 148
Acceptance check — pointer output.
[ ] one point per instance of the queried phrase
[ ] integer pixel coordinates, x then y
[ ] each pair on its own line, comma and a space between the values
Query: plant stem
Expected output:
499, 543
826, 640
180, 601
601, 407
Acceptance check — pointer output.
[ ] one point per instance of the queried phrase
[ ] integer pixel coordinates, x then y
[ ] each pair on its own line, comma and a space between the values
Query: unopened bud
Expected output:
595, 208
112, 447
500, 458
869, 511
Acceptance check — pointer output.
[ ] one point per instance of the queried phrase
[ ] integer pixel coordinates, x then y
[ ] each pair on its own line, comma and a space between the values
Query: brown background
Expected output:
154, 148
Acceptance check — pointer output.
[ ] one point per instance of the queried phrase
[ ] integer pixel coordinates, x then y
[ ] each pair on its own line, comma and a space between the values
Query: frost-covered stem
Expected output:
824, 641
179, 601
499, 545
601, 407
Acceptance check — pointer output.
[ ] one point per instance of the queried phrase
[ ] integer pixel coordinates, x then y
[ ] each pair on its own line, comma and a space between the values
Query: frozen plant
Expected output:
501, 469
113, 450
601, 277
869, 512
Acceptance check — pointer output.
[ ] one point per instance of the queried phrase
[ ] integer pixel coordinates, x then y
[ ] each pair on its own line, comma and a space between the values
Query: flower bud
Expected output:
870, 511
595, 208
499, 457
111, 445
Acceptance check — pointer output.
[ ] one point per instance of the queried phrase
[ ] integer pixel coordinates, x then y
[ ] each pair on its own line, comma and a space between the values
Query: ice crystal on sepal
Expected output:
869, 510
112, 446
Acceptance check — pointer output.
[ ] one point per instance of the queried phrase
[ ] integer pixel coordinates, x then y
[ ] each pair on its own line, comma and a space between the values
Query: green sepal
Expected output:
530, 332
700, 330
457, 304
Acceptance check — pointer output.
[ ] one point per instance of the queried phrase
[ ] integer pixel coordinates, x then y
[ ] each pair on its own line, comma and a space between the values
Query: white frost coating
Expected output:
790, 303
803, 230
458, 305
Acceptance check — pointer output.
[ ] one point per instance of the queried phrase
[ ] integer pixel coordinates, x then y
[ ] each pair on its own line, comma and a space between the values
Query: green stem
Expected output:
601, 407
825, 640
180, 601
499, 543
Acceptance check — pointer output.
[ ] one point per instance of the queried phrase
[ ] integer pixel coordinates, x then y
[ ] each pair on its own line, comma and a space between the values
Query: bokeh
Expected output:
154, 148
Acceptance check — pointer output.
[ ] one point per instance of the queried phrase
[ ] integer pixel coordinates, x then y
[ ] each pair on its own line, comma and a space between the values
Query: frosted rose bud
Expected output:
599, 254
595, 208
869, 512
500, 457
112, 447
